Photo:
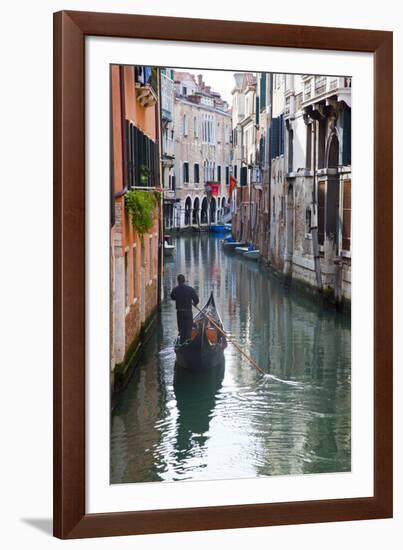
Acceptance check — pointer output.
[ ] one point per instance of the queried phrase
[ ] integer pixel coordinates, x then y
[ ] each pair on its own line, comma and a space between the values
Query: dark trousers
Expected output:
185, 323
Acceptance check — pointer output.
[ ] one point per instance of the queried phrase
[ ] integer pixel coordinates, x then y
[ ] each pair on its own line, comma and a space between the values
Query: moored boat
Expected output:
241, 249
252, 255
220, 227
231, 245
205, 349
169, 248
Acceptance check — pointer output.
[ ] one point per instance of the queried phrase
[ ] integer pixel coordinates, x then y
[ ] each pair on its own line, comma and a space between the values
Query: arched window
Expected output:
188, 209
333, 152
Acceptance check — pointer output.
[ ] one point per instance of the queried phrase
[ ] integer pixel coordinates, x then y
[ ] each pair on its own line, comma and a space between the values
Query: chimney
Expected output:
200, 81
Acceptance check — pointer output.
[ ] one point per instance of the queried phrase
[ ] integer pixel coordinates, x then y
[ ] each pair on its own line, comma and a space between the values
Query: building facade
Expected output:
202, 124
294, 189
136, 260
168, 144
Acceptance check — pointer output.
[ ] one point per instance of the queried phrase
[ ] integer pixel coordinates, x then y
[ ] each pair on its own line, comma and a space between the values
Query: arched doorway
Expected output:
188, 210
196, 208
213, 209
333, 152
203, 214
332, 190
289, 232
223, 206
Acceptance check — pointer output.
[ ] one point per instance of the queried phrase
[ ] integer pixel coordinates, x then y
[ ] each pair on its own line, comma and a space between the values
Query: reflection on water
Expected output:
170, 425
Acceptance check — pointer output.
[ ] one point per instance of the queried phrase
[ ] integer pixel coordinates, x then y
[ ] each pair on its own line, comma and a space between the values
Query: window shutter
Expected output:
346, 215
347, 137
274, 149
263, 90
244, 175
257, 110
281, 135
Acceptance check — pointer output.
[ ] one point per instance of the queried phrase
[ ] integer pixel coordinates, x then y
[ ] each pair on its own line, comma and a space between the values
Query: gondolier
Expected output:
185, 296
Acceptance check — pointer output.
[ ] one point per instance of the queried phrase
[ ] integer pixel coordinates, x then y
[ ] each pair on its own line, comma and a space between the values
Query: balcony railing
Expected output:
320, 86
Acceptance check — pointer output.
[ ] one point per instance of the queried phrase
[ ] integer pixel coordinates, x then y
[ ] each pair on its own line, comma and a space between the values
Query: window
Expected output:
321, 212
274, 207
127, 280
196, 173
308, 220
262, 90
257, 113
236, 171
308, 157
290, 149
219, 173
227, 134
185, 172
307, 90
195, 127
185, 125
346, 244
244, 175
141, 158
184, 90
227, 175
134, 271
277, 137
347, 137
320, 84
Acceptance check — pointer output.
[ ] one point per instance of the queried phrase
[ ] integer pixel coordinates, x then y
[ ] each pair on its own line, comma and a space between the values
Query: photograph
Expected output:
230, 274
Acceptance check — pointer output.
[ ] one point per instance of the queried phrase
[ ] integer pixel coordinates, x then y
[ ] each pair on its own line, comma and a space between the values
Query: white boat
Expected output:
231, 245
241, 249
169, 249
251, 255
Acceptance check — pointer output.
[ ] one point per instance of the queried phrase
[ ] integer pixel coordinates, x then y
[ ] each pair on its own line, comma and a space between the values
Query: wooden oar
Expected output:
248, 357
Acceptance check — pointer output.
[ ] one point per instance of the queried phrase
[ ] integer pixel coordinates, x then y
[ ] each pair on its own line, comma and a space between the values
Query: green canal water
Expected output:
239, 423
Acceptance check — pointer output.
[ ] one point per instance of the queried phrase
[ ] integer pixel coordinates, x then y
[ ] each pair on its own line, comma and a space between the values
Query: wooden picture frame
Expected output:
70, 517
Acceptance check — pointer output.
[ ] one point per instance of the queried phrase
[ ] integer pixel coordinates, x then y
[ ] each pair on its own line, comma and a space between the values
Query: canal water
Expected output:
294, 420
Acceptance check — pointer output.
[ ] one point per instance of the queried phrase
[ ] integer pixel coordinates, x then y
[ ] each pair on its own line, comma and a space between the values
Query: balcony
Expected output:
146, 85
317, 88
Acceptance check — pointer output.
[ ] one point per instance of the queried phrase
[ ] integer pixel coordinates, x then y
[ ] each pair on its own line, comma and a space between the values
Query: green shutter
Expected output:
347, 137
274, 138
263, 90
244, 175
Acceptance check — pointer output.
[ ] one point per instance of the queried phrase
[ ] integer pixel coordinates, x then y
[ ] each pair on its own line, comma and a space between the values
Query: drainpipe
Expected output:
314, 227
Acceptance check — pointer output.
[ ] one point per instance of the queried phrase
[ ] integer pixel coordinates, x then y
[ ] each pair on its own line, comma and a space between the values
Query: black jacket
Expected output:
184, 296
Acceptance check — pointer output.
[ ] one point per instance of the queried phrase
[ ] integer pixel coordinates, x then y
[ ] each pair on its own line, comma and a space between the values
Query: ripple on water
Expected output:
293, 420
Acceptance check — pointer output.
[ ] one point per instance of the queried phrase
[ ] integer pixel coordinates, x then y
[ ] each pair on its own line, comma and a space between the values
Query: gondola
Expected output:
205, 348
